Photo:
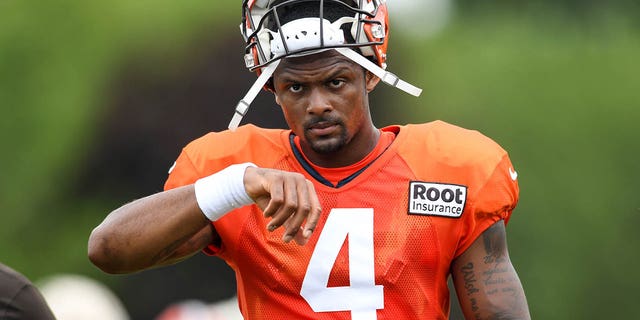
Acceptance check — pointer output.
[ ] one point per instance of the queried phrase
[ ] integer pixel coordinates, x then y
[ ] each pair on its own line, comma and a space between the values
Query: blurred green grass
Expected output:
559, 92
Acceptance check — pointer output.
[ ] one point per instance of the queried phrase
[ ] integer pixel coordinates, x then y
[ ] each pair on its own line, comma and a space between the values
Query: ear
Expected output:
371, 81
269, 87
277, 98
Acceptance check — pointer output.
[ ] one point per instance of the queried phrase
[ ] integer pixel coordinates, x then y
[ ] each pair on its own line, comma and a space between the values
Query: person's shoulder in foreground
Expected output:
19, 298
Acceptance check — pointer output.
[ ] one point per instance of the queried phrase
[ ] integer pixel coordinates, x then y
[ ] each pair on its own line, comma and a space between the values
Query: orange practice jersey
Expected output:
387, 235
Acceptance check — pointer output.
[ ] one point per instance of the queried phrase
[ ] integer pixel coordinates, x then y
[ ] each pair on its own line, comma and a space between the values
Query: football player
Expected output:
333, 218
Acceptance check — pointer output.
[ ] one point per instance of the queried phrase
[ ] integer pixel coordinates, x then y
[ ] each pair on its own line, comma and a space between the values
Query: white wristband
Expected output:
223, 191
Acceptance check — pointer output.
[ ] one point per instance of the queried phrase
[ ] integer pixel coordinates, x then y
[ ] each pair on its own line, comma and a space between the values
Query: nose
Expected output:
318, 102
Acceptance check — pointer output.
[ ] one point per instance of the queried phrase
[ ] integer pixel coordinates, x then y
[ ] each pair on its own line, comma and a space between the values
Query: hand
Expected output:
288, 198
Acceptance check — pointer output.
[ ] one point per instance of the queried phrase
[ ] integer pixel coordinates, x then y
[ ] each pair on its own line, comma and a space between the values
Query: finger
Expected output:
289, 205
297, 237
294, 222
300, 239
262, 203
276, 197
314, 212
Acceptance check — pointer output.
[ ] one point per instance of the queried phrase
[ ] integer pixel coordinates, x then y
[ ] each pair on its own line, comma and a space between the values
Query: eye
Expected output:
296, 87
336, 83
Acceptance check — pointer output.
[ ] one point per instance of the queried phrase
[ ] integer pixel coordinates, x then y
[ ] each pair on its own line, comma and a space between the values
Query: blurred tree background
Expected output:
97, 99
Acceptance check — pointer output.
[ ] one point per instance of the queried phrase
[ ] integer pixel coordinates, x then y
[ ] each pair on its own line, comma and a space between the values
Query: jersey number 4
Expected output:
362, 297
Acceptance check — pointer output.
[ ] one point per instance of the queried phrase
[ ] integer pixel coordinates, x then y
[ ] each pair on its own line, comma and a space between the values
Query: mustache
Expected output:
322, 121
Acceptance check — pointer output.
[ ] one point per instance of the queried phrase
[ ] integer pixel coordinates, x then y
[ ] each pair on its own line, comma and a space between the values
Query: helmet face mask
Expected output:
275, 29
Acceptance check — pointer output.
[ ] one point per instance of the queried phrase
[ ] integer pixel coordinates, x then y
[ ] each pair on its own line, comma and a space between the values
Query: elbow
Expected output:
101, 253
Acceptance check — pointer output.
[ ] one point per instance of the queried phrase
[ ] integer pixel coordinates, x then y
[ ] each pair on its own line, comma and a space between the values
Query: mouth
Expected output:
322, 128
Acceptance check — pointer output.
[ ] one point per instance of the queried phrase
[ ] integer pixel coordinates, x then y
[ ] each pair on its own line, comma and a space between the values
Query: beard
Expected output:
326, 144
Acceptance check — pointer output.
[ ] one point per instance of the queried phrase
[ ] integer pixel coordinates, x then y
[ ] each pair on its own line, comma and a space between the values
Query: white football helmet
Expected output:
275, 29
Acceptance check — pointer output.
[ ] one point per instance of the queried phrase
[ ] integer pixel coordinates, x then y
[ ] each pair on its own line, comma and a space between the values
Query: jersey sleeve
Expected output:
494, 200
450, 154
216, 151
182, 173
210, 154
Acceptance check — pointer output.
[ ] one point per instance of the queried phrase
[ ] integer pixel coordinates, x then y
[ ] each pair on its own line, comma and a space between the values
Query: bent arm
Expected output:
170, 226
156, 230
486, 282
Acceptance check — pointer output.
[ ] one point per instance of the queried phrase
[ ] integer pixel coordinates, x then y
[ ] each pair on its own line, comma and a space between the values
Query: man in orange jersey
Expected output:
334, 218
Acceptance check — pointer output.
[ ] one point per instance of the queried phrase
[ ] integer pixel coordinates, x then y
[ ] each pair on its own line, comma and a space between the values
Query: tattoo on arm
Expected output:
498, 276
494, 245
469, 279
488, 282
495, 248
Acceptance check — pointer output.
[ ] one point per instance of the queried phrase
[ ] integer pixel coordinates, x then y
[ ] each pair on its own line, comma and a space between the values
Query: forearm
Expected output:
147, 231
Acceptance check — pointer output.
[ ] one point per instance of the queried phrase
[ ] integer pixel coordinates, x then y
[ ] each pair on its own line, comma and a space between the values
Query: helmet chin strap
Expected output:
243, 105
386, 76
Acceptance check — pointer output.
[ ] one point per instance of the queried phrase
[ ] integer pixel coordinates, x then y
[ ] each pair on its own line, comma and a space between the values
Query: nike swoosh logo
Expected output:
513, 174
